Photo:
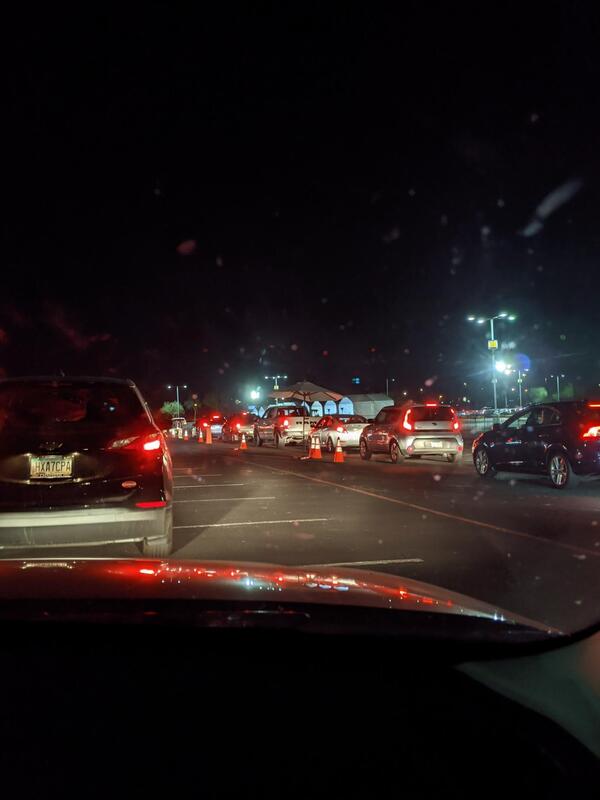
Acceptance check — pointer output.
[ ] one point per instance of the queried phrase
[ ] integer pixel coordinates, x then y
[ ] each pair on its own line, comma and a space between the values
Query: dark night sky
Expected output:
355, 183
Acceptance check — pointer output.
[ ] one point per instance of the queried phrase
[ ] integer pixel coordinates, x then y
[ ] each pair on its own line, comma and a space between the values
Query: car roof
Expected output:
67, 379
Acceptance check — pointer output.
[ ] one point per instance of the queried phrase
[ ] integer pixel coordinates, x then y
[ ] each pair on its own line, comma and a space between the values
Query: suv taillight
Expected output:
405, 423
286, 423
592, 433
147, 444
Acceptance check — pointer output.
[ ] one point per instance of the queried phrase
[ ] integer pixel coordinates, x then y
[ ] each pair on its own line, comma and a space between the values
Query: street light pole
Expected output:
494, 378
176, 387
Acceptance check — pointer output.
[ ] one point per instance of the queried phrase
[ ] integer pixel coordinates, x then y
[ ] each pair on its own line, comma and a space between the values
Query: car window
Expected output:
72, 404
518, 422
381, 418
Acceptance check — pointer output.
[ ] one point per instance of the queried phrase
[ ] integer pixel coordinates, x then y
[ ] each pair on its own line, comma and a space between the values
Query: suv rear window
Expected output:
297, 411
425, 414
78, 403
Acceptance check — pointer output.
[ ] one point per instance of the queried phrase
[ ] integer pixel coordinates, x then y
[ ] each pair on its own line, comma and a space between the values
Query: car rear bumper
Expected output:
84, 526
586, 460
431, 444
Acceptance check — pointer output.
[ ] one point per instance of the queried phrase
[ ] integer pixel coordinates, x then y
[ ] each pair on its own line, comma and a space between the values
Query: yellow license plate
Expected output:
51, 466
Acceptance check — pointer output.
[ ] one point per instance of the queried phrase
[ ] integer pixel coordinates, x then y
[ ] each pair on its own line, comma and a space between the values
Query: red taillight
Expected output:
286, 424
205, 424
152, 504
430, 405
237, 425
593, 405
592, 433
406, 424
136, 442
456, 425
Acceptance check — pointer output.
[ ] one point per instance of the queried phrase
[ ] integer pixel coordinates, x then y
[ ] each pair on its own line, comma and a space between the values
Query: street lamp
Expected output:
493, 343
176, 387
387, 385
558, 377
275, 378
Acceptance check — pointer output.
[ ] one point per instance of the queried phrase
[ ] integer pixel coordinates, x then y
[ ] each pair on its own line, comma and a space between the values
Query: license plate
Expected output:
51, 467
435, 444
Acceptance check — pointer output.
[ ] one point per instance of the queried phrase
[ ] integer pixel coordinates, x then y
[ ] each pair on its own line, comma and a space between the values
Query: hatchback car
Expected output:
82, 463
346, 428
561, 440
412, 431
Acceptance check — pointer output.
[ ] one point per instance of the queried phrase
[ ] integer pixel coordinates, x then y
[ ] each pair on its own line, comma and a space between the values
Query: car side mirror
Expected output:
496, 427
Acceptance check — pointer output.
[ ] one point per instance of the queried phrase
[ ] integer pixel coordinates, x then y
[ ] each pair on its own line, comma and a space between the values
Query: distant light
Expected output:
512, 318
480, 321
501, 366
471, 319
254, 395
503, 314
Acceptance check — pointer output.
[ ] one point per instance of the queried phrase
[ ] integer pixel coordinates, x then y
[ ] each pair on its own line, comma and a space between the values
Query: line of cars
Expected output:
560, 440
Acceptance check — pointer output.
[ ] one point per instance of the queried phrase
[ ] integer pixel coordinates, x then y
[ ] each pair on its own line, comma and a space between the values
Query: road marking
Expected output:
189, 474
223, 499
382, 562
260, 522
207, 485
434, 512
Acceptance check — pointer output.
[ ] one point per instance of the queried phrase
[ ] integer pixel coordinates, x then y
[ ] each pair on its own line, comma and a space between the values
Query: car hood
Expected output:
237, 582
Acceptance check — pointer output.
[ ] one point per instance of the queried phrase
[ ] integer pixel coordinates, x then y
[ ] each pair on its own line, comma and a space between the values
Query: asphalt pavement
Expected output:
513, 541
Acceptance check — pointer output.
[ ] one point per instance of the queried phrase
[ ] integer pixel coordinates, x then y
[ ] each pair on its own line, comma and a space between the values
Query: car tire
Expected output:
483, 466
561, 472
329, 445
277, 440
365, 454
257, 440
160, 548
396, 456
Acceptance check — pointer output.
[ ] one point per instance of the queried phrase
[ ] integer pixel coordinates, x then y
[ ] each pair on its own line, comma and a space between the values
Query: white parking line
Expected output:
207, 485
189, 474
434, 512
223, 499
383, 562
260, 522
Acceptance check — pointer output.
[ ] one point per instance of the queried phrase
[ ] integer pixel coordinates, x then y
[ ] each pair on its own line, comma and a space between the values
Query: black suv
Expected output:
561, 440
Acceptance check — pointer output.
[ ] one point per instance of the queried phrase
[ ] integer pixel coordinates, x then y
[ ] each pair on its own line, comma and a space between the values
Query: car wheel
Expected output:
330, 447
364, 450
560, 472
483, 465
395, 453
277, 440
257, 440
160, 548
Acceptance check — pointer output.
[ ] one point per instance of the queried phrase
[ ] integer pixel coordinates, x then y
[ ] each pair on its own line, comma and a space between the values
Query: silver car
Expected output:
412, 431
345, 427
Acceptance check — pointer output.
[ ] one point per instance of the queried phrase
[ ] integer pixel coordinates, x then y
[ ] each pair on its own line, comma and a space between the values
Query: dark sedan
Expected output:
82, 462
561, 440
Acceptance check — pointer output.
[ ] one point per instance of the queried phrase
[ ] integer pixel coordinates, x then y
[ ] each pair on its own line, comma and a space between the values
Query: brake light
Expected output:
406, 424
430, 405
593, 405
592, 433
152, 504
237, 425
144, 443
286, 423
456, 425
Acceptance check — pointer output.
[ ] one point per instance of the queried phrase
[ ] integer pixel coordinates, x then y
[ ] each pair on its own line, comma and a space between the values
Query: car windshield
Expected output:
306, 296
428, 414
24, 406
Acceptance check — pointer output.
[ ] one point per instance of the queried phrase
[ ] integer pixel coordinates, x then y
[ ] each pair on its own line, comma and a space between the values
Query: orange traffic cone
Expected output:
200, 437
315, 448
186, 434
243, 445
338, 456
208, 435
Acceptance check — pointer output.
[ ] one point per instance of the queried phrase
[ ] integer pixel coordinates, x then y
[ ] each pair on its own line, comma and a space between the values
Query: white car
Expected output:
345, 427
283, 424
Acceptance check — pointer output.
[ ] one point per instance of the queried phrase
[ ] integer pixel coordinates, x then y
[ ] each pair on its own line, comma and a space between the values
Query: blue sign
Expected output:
356, 380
